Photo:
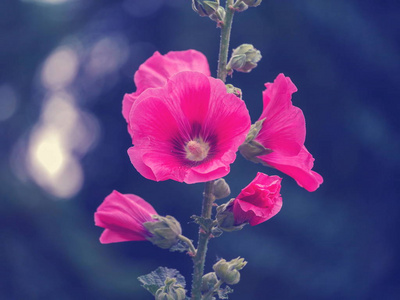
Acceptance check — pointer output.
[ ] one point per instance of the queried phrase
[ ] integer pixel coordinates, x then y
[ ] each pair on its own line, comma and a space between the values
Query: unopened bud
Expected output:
234, 90
244, 58
219, 15
221, 189
252, 3
165, 231
205, 8
228, 272
241, 7
226, 218
209, 280
170, 291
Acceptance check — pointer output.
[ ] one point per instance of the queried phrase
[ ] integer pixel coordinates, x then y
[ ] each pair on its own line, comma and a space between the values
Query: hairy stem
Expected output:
224, 42
208, 197
200, 257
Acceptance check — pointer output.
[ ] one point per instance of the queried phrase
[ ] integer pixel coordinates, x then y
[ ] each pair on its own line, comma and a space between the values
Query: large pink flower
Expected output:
189, 130
259, 201
283, 132
155, 72
122, 217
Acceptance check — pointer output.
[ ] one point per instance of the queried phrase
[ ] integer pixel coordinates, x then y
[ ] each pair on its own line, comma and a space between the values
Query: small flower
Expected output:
122, 216
282, 135
259, 201
188, 131
155, 72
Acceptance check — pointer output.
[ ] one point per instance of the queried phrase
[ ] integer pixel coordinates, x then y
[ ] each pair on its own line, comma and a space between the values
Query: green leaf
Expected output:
223, 293
153, 281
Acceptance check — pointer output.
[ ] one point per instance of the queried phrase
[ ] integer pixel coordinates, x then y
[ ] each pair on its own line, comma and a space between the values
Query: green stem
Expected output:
200, 257
208, 197
224, 42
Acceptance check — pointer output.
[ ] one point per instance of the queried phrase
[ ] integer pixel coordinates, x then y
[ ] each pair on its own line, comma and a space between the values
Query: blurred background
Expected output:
64, 68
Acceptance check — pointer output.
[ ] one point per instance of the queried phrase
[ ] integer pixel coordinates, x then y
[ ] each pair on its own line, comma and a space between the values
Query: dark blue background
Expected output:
340, 242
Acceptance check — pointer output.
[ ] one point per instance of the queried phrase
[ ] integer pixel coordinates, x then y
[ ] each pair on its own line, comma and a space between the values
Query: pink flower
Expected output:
284, 132
155, 72
188, 131
122, 217
259, 201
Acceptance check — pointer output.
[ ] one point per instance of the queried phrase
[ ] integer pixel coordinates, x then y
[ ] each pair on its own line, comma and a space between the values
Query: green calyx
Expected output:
164, 232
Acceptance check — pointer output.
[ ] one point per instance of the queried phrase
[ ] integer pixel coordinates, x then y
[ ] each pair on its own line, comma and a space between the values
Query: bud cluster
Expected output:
244, 59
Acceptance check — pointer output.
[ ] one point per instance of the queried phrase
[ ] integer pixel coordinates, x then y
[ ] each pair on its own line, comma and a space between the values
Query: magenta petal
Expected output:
122, 217
259, 201
298, 167
284, 127
190, 108
156, 71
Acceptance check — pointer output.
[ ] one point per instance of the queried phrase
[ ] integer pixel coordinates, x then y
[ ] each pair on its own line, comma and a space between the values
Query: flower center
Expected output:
197, 150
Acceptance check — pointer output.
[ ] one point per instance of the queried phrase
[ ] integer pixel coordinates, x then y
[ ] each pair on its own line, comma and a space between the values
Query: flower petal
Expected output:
156, 71
284, 128
298, 167
123, 216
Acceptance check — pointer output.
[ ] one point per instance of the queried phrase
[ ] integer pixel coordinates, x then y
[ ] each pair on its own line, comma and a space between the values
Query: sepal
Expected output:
226, 218
164, 232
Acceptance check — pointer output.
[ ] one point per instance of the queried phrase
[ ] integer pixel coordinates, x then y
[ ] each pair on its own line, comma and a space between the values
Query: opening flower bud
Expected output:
171, 291
228, 272
244, 58
164, 232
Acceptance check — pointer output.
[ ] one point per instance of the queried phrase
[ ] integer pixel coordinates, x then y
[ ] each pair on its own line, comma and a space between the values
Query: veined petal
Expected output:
298, 167
156, 71
122, 217
284, 128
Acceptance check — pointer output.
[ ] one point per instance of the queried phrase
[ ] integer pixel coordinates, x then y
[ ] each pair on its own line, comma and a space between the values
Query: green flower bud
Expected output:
165, 231
221, 189
228, 272
225, 217
252, 3
244, 59
170, 291
205, 8
241, 7
208, 282
219, 15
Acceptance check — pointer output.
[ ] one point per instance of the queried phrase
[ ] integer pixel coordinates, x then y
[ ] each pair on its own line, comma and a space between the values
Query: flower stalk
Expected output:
200, 257
208, 196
